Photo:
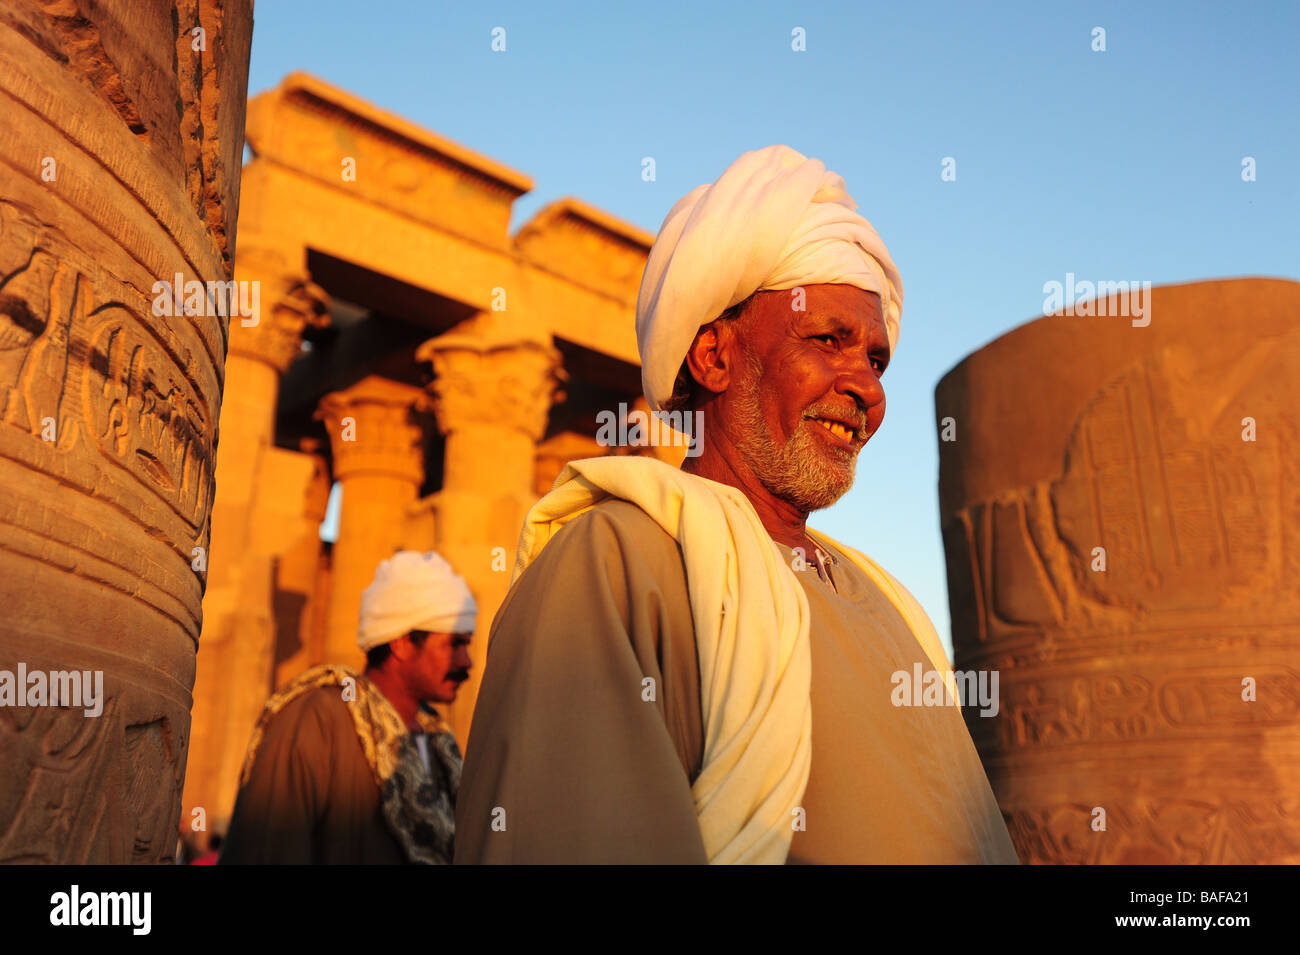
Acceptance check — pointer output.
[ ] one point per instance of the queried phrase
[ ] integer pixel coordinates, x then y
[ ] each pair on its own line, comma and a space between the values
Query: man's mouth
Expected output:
844, 433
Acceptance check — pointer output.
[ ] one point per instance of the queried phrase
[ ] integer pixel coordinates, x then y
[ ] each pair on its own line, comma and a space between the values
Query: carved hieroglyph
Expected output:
118, 168
1171, 453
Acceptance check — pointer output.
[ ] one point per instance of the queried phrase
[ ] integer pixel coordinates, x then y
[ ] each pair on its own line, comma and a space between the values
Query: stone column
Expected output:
1123, 542
296, 575
492, 392
318, 611
236, 654
376, 431
119, 169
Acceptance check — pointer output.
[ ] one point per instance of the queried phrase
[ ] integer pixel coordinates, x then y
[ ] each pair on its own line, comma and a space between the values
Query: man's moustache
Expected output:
859, 419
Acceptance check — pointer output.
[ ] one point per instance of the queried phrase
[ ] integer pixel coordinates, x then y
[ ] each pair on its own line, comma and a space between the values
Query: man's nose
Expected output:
860, 381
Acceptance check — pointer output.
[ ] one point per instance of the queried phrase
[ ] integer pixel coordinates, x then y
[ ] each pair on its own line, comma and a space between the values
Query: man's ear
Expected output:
402, 647
711, 356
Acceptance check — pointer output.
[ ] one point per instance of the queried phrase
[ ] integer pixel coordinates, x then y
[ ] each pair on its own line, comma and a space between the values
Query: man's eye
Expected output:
825, 338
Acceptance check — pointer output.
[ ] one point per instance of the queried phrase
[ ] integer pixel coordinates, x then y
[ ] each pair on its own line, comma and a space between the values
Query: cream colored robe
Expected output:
568, 762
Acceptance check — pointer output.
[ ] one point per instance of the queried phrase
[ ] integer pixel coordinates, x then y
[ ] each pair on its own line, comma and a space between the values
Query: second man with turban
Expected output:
358, 768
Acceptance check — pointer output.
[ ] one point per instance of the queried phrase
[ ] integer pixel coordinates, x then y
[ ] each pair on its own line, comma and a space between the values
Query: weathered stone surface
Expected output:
1122, 689
119, 161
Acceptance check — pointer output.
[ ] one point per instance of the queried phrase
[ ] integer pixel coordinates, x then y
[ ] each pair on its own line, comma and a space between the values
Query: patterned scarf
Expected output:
418, 805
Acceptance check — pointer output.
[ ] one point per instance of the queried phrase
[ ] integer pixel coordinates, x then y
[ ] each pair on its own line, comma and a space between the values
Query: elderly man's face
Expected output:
807, 394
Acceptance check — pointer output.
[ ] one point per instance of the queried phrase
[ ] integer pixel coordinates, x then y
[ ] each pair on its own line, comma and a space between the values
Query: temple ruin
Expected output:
1121, 515
437, 368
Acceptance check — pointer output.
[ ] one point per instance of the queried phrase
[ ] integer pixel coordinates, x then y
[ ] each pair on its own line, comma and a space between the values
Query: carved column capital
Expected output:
497, 381
286, 303
376, 427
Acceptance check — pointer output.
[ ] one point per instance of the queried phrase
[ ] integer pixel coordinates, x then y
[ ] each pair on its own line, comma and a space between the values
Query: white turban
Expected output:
774, 220
414, 591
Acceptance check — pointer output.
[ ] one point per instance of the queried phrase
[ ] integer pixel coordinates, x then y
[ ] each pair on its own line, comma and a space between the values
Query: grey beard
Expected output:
802, 471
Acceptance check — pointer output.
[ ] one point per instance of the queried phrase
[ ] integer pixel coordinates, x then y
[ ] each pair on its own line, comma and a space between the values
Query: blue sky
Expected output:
1123, 164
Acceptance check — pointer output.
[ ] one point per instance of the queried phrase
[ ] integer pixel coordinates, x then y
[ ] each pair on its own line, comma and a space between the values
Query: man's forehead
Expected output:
846, 302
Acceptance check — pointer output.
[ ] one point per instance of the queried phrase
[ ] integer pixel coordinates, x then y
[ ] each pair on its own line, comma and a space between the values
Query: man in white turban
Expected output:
357, 768
683, 671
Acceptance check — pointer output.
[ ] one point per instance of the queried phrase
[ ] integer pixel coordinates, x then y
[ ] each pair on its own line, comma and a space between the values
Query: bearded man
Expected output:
683, 671
358, 768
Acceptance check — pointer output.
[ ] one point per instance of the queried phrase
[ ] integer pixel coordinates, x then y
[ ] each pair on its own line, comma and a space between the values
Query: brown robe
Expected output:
568, 762
311, 797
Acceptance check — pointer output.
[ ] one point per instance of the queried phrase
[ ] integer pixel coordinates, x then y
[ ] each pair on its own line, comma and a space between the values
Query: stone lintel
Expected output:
586, 245
350, 226
328, 134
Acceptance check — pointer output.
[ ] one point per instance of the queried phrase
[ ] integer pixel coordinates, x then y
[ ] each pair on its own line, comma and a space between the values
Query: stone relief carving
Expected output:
1148, 659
